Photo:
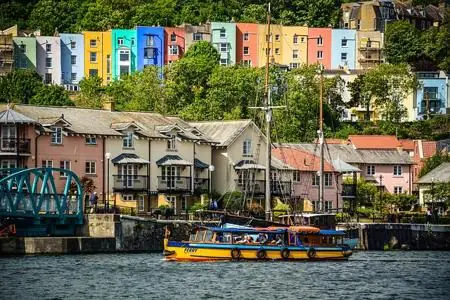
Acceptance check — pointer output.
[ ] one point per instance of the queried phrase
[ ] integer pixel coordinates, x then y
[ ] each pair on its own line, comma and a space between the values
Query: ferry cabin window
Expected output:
208, 236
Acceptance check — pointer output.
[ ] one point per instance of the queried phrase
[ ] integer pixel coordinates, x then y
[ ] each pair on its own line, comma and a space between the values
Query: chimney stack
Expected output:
108, 103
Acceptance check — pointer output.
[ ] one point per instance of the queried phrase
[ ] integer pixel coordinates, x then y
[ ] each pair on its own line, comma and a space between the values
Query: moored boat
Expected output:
272, 243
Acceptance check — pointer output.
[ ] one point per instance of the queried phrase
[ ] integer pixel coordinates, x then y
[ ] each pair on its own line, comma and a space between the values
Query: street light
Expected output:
108, 156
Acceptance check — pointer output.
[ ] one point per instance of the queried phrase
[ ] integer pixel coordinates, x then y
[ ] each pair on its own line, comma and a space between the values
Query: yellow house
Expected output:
97, 54
295, 46
276, 45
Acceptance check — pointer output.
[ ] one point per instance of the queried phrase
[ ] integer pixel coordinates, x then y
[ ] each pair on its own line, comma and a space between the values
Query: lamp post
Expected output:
108, 156
381, 195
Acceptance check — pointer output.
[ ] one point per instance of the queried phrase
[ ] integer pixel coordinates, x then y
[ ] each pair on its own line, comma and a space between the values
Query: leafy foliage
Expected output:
439, 192
52, 95
20, 86
402, 42
433, 162
90, 95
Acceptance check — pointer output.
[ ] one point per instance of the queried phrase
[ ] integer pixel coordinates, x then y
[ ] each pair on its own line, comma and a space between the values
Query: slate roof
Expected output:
341, 166
222, 132
129, 158
199, 164
10, 116
438, 174
172, 160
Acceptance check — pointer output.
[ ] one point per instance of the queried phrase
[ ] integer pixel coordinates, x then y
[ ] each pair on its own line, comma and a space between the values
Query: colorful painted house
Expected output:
431, 96
97, 55
25, 53
48, 57
150, 47
124, 52
174, 44
247, 44
319, 46
295, 46
275, 44
343, 43
194, 34
72, 60
223, 37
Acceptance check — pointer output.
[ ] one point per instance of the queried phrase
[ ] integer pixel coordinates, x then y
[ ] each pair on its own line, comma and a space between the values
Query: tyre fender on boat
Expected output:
235, 254
285, 253
311, 253
261, 254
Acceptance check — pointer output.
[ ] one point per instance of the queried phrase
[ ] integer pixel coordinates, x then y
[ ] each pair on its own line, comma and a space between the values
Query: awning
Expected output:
248, 165
173, 160
200, 165
129, 158
341, 166
9, 116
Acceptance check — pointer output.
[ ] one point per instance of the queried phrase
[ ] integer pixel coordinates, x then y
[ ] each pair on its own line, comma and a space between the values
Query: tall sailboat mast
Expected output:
268, 112
321, 144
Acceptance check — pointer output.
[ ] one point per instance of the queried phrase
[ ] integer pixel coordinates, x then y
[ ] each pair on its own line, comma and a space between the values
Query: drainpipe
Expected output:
36, 149
104, 178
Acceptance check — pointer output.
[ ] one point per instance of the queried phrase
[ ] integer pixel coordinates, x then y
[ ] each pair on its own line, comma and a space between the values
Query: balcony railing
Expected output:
280, 188
255, 187
174, 184
130, 182
348, 190
201, 185
15, 145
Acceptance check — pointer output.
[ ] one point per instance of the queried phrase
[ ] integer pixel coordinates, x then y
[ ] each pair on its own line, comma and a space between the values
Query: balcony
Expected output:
174, 184
201, 186
15, 146
255, 187
348, 190
130, 183
280, 188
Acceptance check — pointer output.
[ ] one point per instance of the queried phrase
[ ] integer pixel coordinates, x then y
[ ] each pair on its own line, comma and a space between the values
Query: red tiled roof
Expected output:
300, 160
429, 148
407, 144
374, 141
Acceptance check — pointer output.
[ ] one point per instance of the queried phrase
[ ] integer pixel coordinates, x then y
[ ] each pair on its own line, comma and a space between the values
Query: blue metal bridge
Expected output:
37, 206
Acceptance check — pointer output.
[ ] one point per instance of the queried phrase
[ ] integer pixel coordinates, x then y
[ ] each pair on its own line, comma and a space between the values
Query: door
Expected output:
128, 174
172, 174
9, 134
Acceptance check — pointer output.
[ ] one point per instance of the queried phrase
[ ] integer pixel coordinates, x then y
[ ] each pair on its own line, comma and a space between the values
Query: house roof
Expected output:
129, 158
199, 164
429, 148
300, 159
438, 174
341, 166
172, 160
407, 144
10, 116
248, 165
374, 141
222, 132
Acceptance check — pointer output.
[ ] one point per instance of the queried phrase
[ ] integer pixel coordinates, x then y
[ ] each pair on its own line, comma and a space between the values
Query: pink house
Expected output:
319, 46
174, 44
306, 180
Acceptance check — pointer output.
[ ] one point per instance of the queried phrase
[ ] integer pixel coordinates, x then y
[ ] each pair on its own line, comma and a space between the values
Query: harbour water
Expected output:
367, 275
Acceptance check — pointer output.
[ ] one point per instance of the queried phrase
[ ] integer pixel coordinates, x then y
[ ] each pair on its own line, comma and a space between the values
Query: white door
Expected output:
9, 134
129, 174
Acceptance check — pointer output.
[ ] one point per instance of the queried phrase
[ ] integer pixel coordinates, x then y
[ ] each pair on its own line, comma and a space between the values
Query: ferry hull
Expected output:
178, 251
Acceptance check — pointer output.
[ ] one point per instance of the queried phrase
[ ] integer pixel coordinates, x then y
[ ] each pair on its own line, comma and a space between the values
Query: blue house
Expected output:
72, 60
431, 95
150, 47
343, 49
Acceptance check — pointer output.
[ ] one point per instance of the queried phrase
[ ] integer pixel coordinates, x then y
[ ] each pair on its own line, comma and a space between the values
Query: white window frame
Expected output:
64, 164
328, 205
247, 147
246, 50
91, 140
141, 203
173, 50
73, 76
328, 179
319, 54
295, 39
47, 163
127, 141
247, 62
124, 62
398, 171
93, 43
295, 54
344, 43
319, 41
57, 136
224, 61
223, 47
223, 34
296, 176
73, 44
73, 59
48, 48
48, 62
120, 41
197, 36
371, 170
127, 197
342, 56
93, 54
172, 143
90, 167
173, 37
246, 36
398, 189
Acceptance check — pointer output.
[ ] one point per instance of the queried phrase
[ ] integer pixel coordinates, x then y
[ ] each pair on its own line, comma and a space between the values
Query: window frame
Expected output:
296, 176
93, 54
93, 43
63, 165
56, 136
90, 140
319, 41
73, 59
196, 35
172, 48
120, 41
48, 62
48, 48
246, 50
398, 190
223, 33
247, 148
295, 39
127, 141
370, 170
89, 166
73, 44
46, 163
172, 143
295, 54
342, 56
398, 170
344, 43
321, 54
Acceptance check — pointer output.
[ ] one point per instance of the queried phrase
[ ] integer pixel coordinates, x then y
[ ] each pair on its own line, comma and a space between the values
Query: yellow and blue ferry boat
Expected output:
272, 243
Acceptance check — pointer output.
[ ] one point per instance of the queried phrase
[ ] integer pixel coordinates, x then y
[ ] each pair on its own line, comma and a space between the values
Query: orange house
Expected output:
247, 44
319, 46
174, 44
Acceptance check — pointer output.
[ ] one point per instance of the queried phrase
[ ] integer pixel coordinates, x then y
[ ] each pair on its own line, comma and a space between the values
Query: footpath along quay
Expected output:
106, 233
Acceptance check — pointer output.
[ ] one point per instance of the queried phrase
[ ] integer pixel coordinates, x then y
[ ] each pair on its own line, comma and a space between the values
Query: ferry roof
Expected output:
331, 232
247, 230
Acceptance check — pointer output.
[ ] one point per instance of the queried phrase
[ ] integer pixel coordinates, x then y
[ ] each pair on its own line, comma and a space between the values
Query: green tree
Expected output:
439, 192
254, 13
91, 91
15, 12
140, 91
159, 12
436, 44
433, 162
52, 95
20, 86
402, 43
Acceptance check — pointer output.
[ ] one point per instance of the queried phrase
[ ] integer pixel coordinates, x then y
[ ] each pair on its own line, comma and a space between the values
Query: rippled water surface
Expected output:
367, 275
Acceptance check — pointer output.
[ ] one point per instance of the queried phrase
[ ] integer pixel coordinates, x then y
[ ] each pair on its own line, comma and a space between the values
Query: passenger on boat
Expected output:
262, 238
279, 240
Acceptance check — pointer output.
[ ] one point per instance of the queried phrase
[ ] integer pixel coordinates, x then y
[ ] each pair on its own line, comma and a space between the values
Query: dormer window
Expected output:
127, 141
171, 143
57, 135
247, 148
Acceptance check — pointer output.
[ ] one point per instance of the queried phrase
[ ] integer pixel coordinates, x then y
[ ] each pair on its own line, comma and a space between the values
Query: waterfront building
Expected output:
427, 184
194, 34
247, 44
48, 57
72, 60
174, 44
295, 46
344, 46
150, 47
431, 95
223, 37
276, 44
7, 49
319, 47
124, 52
97, 55
369, 49
25, 52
